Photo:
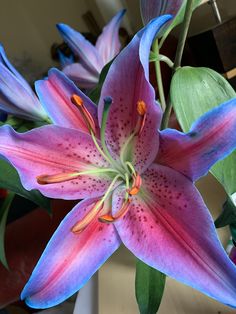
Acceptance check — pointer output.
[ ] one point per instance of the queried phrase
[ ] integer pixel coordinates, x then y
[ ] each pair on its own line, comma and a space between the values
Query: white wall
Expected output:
27, 28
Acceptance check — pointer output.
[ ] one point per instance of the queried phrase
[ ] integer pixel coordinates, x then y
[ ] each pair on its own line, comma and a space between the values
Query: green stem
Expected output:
183, 33
158, 75
179, 54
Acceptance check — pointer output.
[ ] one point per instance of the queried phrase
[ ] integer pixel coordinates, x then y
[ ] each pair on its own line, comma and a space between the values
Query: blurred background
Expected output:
27, 28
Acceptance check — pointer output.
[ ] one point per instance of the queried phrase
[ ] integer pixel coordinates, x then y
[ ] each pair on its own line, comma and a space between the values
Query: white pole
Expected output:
87, 298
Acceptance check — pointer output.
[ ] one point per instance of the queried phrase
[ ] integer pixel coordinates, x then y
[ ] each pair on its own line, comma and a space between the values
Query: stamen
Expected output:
142, 111
78, 102
110, 218
57, 178
141, 108
137, 182
82, 224
67, 176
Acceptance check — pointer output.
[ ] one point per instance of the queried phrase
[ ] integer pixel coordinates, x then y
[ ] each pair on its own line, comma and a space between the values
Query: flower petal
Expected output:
154, 8
65, 60
126, 88
55, 94
16, 99
211, 138
169, 227
108, 43
16, 95
82, 48
4, 60
52, 150
81, 76
70, 259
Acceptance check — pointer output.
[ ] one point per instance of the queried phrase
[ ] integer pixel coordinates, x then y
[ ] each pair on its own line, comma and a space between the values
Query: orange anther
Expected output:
83, 223
110, 218
141, 108
77, 100
57, 178
88, 119
137, 181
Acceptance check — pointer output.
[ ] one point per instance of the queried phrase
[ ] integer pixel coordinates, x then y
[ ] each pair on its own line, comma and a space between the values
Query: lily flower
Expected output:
109, 161
16, 95
92, 59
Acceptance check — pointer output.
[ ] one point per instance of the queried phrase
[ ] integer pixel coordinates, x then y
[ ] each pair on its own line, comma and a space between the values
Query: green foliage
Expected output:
228, 215
149, 288
10, 180
4, 208
195, 91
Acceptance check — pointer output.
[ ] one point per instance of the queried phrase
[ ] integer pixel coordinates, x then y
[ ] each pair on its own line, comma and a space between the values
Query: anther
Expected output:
142, 113
137, 182
57, 178
110, 218
141, 108
78, 102
82, 224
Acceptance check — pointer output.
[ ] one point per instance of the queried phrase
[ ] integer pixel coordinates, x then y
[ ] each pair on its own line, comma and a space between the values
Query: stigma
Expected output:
88, 119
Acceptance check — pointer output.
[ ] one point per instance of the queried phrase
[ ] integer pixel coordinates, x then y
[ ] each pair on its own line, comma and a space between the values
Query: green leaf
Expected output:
233, 231
21, 125
195, 91
149, 288
94, 95
4, 209
228, 215
10, 180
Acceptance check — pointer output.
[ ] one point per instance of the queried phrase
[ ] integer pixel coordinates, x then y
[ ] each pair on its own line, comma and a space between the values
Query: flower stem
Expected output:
183, 33
158, 75
179, 54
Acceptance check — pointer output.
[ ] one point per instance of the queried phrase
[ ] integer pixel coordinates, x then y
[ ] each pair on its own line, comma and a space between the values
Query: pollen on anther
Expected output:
76, 100
141, 107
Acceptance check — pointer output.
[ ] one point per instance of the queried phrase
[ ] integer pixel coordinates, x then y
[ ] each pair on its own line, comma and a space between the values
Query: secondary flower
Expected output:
92, 59
153, 208
154, 8
16, 96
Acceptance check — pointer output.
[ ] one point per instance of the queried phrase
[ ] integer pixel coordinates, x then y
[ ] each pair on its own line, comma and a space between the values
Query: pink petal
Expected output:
53, 150
211, 138
127, 83
17, 97
55, 94
70, 259
82, 48
169, 227
81, 76
108, 43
